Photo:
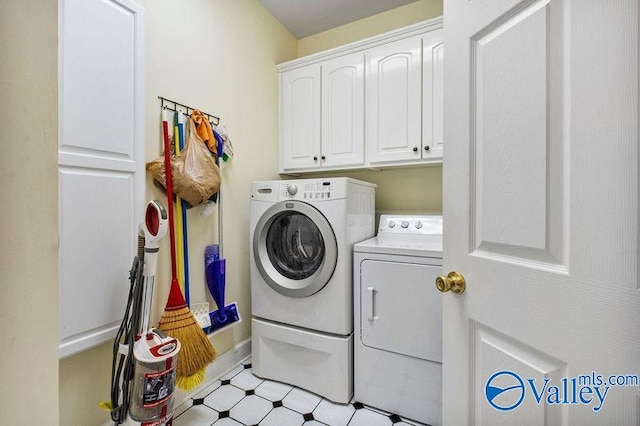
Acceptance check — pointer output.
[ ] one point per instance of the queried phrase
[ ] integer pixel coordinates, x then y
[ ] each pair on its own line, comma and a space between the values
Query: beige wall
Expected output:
29, 214
373, 25
219, 56
405, 190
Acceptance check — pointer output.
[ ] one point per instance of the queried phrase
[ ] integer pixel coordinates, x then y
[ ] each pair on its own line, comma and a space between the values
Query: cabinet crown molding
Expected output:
360, 45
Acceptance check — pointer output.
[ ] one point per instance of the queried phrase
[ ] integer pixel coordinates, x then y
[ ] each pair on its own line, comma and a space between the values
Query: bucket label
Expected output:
160, 422
158, 387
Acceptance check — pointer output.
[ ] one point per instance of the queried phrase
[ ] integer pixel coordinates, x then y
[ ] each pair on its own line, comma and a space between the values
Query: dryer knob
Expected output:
404, 224
292, 189
391, 224
418, 225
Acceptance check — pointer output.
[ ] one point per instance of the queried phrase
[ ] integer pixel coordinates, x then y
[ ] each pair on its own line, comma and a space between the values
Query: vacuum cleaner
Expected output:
143, 372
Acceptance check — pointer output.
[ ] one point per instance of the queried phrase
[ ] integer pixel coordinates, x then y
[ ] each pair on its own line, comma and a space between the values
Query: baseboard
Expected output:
221, 366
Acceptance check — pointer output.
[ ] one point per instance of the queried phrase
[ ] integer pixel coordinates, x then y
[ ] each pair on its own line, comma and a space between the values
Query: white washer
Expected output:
302, 235
398, 314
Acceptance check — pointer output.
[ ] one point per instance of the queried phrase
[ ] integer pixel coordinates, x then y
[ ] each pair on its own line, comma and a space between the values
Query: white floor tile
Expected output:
333, 414
223, 398
273, 391
282, 416
199, 415
207, 390
233, 372
364, 417
313, 423
245, 380
301, 401
227, 421
251, 410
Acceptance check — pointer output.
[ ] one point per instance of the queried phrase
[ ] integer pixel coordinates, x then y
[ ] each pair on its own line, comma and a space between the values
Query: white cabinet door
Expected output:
394, 102
300, 118
343, 111
432, 96
540, 219
100, 164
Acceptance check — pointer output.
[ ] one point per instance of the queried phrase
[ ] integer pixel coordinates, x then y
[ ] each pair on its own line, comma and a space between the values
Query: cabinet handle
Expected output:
315, 158
323, 157
415, 149
426, 148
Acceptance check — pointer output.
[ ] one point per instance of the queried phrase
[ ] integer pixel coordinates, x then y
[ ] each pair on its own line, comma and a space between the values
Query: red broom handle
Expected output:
167, 168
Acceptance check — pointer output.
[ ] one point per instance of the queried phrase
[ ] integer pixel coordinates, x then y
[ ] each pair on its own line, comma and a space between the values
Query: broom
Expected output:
177, 320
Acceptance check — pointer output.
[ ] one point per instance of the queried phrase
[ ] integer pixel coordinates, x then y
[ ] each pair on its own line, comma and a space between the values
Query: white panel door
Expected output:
343, 111
541, 212
432, 96
394, 90
100, 164
300, 118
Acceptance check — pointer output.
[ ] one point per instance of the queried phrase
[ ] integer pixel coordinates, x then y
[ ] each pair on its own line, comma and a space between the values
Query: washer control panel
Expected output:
410, 224
307, 191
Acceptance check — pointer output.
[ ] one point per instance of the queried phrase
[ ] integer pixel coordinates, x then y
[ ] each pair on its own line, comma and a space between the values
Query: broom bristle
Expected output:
197, 351
190, 382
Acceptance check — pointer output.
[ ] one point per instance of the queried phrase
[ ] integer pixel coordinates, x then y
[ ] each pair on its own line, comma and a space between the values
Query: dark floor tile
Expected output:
394, 418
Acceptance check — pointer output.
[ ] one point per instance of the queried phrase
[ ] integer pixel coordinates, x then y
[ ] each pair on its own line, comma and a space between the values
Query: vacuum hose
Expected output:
122, 367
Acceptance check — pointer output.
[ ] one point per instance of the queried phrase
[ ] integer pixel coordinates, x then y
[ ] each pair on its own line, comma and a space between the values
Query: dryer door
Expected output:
295, 249
400, 308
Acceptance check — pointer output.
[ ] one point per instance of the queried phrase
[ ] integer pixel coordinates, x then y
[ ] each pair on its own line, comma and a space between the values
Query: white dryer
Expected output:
302, 236
398, 314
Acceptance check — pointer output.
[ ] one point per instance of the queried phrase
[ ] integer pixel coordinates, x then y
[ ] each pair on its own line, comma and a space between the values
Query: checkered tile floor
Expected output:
241, 399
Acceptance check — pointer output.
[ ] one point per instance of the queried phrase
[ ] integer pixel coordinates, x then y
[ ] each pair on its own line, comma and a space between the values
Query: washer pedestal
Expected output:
320, 363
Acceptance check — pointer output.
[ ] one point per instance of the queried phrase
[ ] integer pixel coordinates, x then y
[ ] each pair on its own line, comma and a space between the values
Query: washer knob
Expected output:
292, 189
418, 225
391, 224
404, 224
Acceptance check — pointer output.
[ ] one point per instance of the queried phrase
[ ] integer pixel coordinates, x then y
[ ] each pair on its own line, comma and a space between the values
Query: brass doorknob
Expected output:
454, 282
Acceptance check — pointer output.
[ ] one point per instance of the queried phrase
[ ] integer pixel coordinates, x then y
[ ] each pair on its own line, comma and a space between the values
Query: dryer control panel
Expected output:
410, 224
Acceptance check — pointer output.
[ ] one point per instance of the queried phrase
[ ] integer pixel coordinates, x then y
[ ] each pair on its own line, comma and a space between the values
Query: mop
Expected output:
215, 271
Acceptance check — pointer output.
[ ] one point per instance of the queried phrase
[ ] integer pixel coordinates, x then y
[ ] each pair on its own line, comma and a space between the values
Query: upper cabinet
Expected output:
343, 111
322, 115
370, 104
394, 113
300, 118
432, 96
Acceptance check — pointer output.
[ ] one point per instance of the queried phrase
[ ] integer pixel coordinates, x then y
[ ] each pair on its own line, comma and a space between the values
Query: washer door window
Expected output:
295, 249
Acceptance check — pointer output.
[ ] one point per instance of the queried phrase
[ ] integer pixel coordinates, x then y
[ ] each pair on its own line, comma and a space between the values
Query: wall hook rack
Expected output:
166, 103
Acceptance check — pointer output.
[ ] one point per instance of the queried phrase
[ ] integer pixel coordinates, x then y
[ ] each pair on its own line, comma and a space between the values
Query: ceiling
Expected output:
306, 17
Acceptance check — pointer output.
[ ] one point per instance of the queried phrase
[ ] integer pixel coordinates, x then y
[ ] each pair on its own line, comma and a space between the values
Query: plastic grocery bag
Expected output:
195, 174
